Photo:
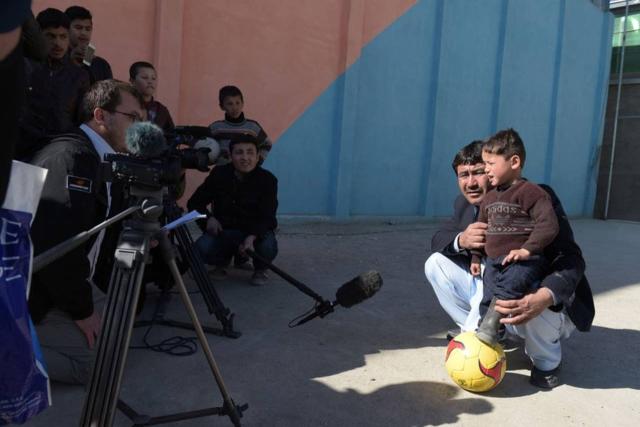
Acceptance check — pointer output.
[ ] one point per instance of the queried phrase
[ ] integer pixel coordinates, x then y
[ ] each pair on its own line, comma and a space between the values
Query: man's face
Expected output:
117, 121
232, 105
57, 42
473, 182
145, 81
80, 32
499, 169
244, 157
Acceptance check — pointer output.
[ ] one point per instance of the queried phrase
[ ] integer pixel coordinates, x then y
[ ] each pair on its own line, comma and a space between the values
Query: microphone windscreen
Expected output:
145, 139
359, 289
212, 145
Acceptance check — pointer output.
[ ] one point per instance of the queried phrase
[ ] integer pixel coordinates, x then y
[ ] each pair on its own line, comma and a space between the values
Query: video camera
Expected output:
156, 159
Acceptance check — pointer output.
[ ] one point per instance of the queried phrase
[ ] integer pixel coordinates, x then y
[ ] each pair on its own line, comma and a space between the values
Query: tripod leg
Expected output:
229, 406
201, 277
113, 343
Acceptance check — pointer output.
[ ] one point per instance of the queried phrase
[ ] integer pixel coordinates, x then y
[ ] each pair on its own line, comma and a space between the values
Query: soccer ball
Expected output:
474, 365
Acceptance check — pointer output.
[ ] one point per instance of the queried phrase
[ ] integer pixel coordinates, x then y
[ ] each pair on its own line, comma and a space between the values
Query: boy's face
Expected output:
145, 81
80, 32
244, 157
232, 105
499, 169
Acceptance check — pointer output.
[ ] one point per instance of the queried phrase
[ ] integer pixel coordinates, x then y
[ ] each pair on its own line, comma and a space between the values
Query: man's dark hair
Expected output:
243, 139
226, 91
77, 12
52, 18
135, 68
106, 94
506, 143
470, 154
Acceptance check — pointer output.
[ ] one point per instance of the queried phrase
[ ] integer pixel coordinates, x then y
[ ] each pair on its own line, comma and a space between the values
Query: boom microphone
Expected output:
351, 293
145, 140
359, 289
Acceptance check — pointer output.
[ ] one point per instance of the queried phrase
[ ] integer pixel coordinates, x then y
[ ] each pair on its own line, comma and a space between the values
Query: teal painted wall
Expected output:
380, 139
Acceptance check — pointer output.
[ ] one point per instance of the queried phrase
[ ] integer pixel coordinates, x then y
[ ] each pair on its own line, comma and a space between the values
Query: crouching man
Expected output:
542, 318
243, 199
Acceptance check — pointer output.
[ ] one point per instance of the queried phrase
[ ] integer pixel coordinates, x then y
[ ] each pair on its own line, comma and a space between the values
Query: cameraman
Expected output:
74, 199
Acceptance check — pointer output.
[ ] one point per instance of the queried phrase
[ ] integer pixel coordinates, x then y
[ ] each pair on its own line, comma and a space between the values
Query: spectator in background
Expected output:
235, 125
243, 199
80, 30
54, 88
144, 77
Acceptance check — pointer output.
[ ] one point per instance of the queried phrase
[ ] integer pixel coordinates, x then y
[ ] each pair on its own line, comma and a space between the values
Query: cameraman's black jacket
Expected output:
72, 201
247, 205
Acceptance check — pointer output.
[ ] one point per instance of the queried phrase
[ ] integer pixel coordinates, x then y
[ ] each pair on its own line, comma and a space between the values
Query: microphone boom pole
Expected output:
298, 284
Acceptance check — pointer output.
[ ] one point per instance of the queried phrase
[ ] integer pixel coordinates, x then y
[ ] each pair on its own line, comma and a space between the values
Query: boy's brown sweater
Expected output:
519, 216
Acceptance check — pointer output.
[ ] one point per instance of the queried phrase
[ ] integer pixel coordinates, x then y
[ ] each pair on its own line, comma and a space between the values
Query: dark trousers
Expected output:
511, 281
218, 250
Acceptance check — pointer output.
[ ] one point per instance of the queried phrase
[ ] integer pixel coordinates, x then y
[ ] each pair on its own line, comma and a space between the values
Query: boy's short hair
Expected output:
506, 143
226, 91
78, 12
106, 94
52, 18
470, 154
135, 68
243, 139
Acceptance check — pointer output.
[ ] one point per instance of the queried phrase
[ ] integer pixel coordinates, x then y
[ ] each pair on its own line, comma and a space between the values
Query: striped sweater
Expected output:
227, 130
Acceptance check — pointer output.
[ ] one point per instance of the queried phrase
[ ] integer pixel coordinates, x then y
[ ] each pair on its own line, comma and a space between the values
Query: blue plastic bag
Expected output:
24, 384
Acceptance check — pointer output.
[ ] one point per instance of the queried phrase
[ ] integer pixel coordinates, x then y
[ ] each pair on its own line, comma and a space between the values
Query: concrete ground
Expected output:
381, 363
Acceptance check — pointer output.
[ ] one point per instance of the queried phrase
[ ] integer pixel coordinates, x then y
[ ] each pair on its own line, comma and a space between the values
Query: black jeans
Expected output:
218, 250
511, 281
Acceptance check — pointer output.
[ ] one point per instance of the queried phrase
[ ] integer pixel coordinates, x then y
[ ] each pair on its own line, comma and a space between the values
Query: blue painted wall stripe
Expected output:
553, 109
436, 45
502, 28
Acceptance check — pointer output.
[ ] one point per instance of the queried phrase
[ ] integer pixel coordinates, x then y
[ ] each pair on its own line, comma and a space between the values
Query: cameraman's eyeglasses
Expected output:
133, 116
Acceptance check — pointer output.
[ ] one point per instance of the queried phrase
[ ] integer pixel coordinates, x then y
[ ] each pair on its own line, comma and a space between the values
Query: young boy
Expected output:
236, 125
521, 223
143, 76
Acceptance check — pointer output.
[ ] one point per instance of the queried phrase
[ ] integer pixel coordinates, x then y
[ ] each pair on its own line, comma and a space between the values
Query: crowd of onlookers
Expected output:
70, 115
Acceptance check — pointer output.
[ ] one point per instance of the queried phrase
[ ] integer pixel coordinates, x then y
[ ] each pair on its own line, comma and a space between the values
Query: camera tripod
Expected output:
131, 256
193, 259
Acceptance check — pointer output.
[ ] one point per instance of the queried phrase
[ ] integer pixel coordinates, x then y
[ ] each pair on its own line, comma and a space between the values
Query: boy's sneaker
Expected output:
218, 273
259, 278
544, 379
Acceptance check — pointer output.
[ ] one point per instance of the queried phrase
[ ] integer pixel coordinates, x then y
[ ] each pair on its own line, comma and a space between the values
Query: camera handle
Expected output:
124, 288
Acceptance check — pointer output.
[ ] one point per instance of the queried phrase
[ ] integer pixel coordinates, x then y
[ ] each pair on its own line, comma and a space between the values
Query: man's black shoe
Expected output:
544, 379
452, 333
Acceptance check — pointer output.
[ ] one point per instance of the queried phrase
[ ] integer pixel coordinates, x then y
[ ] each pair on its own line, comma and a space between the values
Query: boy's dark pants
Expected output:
218, 250
511, 281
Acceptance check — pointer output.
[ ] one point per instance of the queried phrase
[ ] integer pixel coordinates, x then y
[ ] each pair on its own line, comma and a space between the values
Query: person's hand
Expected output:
90, 327
519, 311
77, 53
516, 255
213, 226
473, 237
247, 244
475, 269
